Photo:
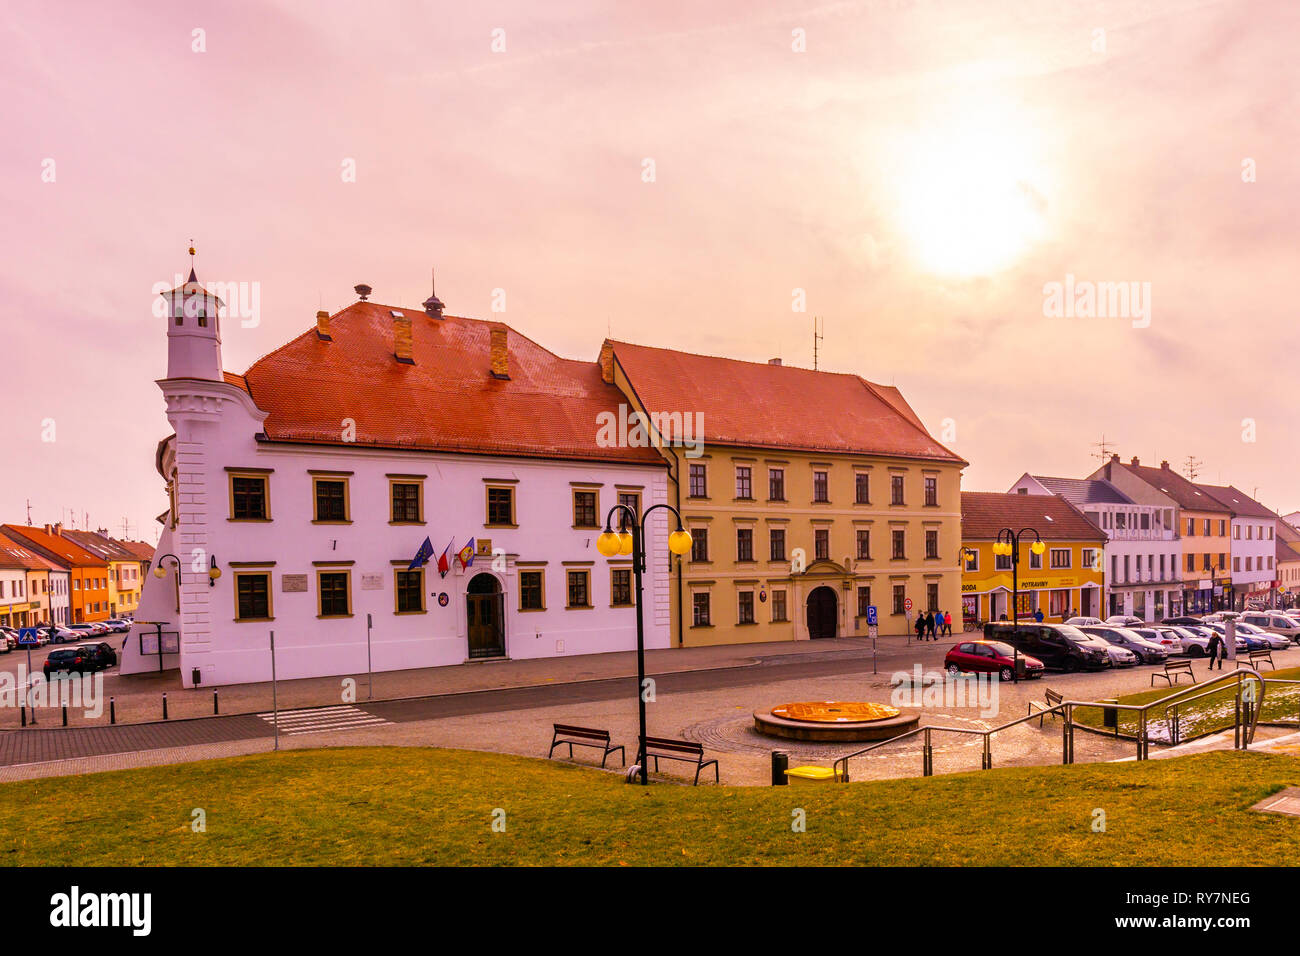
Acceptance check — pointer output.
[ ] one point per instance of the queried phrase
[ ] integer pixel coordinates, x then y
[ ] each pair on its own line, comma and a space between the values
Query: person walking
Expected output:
1038, 615
920, 627
947, 623
929, 625
1216, 648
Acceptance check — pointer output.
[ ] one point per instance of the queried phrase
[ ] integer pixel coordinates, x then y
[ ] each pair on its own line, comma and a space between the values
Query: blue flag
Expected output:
421, 556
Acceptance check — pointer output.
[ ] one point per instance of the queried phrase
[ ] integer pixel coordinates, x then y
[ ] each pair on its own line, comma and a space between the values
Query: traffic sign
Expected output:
907, 604
871, 615
27, 637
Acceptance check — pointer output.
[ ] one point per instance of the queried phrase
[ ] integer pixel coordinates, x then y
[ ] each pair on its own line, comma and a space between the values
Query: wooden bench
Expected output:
1051, 699
1259, 656
670, 749
584, 737
1173, 671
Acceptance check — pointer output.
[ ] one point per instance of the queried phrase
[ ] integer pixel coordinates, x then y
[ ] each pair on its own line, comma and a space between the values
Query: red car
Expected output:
989, 657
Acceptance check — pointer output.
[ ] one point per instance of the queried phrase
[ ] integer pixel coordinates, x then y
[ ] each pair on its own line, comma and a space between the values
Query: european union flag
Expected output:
422, 556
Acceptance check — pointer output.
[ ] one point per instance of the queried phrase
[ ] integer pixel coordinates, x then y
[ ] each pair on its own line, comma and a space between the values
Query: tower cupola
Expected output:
193, 330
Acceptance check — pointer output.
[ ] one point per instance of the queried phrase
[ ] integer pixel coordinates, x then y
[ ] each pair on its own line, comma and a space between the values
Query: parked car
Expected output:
71, 660
989, 657
1123, 620
77, 632
117, 626
100, 653
1245, 640
58, 634
1081, 621
1275, 642
1184, 620
1144, 649
1058, 646
1275, 622
8, 641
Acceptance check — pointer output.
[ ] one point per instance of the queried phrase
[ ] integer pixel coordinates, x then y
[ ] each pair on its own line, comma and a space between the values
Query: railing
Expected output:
1175, 727
1246, 718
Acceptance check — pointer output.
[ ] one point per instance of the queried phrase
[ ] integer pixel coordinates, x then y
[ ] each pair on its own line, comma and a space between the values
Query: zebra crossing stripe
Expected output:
318, 720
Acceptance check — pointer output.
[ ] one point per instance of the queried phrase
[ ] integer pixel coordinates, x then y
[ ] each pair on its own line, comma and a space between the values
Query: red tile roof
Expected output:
446, 401
141, 550
757, 405
1177, 487
1241, 503
64, 552
985, 513
14, 553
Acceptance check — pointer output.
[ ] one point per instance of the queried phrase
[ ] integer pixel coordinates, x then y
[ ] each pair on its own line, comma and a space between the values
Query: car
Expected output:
118, 625
8, 641
1245, 641
77, 632
1058, 646
1081, 621
1124, 619
71, 660
1274, 642
989, 657
1162, 634
99, 652
1275, 622
1184, 620
1141, 647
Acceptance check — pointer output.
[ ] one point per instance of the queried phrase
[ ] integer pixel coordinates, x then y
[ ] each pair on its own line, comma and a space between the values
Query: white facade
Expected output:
1254, 553
13, 593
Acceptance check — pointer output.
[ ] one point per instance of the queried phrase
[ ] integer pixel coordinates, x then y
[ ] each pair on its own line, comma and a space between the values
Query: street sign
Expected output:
27, 637
871, 615
907, 604
872, 631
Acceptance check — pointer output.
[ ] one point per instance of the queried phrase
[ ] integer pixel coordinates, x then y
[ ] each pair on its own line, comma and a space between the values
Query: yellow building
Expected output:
124, 573
810, 497
1065, 580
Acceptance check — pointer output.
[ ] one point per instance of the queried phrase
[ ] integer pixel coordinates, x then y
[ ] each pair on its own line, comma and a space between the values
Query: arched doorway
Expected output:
485, 617
823, 612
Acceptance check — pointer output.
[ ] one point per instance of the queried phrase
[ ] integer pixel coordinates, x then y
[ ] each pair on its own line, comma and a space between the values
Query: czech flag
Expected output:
466, 555
421, 556
444, 565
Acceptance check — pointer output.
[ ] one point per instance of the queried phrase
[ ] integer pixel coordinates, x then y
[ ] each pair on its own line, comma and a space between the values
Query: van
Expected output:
1061, 647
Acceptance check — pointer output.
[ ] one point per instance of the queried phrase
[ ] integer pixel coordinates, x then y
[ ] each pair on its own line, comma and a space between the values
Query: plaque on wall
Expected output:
372, 582
293, 582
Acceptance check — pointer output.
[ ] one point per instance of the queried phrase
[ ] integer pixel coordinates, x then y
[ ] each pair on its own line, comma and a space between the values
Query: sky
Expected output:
920, 176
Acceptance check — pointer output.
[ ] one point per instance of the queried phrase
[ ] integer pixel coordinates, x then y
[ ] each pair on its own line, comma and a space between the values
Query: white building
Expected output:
1140, 559
1254, 545
309, 483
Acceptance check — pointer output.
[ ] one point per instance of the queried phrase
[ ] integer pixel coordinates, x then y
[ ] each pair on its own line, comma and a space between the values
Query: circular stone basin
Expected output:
834, 720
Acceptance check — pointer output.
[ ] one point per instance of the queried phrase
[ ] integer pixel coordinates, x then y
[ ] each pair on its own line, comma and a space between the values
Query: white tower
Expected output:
193, 331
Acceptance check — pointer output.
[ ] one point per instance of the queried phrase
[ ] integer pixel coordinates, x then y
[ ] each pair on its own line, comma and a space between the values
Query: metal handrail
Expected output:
1241, 740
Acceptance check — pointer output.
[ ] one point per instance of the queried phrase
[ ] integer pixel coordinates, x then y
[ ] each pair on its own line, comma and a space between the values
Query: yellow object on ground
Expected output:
803, 775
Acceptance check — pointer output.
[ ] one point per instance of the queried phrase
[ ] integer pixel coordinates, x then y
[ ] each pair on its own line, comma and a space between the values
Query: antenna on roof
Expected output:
1190, 467
817, 337
29, 512
1103, 449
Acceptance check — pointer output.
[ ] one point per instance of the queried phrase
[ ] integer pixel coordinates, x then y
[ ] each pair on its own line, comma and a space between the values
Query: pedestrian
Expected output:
1038, 615
920, 627
1216, 648
929, 626
947, 623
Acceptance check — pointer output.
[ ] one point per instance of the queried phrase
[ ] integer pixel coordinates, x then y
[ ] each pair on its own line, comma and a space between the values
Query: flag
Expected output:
466, 555
444, 565
421, 556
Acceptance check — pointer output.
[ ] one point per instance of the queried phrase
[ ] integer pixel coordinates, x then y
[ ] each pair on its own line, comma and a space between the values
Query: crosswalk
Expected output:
319, 720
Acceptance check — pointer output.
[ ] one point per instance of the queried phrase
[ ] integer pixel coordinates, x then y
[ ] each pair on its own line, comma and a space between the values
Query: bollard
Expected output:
24, 713
164, 706
215, 708
112, 710
780, 764
65, 715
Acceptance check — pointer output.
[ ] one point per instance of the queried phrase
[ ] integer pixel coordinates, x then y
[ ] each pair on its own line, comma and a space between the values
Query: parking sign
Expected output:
871, 615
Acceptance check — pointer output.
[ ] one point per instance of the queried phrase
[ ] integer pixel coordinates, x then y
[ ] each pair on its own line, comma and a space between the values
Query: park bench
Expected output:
584, 737
1259, 656
670, 749
1051, 700
1173, 671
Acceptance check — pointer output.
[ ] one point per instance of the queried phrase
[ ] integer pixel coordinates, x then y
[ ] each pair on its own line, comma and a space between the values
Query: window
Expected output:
1205, 562
584, 509
1090, 560
776, 541
620, 587
745, 607
331, 499
972, 560
864, 600
1206, 526
895, 489
1236, 564
900, 596
821, 486
579, 588
406, 500
1060, 557
1191, 562
501, 506
410, 590
744, 544
532, 591
1236, 532
1223, 527
821, 544
931, 596
333, 588
744, 482
776, 484
864, 544
699, 485
1191, 527
932, 492
1002, 562
631, 500
252, 595
248, 498
1058, 603
899, 550
700, 609
862, 488
778, 607
931, 544
1035, 561
699, 544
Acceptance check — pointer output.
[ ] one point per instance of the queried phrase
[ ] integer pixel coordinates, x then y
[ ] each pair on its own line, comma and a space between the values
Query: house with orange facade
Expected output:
88, 573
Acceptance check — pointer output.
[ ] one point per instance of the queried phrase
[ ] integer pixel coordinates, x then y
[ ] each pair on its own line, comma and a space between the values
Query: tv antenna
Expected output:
817, 337
1104, 449
1191, 466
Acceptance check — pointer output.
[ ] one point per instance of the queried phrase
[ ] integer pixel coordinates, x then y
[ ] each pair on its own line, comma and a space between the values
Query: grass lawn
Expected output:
423, 806
1210, 714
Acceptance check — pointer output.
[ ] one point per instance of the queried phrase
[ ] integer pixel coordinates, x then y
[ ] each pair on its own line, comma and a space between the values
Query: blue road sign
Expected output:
871, 614
27, 637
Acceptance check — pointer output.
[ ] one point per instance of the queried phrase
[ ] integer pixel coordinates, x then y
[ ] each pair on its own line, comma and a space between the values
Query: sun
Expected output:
969, 191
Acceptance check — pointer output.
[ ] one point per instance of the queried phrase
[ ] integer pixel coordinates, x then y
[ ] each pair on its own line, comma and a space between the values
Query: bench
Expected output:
584, 737
670, 749
1051, 699
1259, 656
1173, 671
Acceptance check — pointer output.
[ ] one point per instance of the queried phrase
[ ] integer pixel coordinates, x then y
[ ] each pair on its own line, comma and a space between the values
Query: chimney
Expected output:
773, 361
402, 338
499, 353
433, 307
1136, 462
1164, 465
607, 362
49, 530
323, 326
1114, 458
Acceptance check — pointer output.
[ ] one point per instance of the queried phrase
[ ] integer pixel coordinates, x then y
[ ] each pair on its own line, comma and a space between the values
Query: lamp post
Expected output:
1008, 543
632, 543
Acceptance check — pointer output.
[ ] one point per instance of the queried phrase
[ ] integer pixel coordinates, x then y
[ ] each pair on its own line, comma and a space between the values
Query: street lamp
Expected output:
1008, 543
632, 542
214, 572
